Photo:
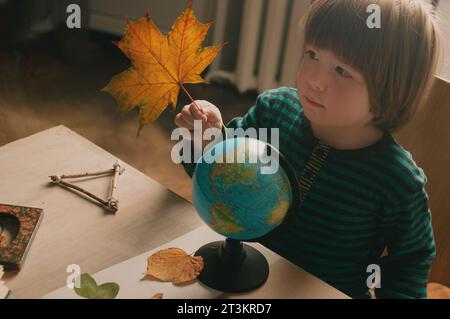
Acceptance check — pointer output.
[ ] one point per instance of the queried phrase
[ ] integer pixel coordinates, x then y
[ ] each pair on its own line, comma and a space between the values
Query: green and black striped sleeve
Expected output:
406, 227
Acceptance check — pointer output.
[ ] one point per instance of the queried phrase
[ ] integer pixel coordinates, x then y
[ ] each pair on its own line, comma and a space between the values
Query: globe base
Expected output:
231, 266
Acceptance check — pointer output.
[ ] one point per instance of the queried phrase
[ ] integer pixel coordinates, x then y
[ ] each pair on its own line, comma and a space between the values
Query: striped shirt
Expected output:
354, 204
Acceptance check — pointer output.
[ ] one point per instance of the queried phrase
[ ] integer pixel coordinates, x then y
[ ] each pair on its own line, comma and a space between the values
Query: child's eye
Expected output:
343, 73
311, 54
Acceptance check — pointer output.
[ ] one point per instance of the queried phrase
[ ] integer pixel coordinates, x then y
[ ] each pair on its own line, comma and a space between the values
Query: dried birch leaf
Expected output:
173, 265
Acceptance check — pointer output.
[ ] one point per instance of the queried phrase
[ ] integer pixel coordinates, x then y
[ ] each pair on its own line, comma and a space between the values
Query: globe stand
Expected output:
231, 266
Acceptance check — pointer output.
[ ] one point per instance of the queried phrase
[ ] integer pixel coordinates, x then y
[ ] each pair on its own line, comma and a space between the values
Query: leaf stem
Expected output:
190, 97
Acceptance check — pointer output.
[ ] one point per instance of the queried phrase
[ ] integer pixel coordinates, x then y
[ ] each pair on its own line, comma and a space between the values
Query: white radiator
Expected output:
262, 62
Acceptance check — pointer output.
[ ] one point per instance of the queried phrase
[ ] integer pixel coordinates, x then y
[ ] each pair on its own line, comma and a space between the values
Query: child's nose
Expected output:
317, 80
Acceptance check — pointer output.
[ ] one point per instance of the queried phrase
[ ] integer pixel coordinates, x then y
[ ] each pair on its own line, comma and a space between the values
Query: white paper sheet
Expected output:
128, 274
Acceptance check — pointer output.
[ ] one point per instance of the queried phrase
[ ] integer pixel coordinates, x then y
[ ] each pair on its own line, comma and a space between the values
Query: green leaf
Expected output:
90, 290
88, 287
108, 290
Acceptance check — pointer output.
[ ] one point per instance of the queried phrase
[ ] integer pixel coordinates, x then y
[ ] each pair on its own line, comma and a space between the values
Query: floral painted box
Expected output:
18, 226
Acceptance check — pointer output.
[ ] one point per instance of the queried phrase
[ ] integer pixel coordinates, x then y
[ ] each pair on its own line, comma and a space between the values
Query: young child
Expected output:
361, 191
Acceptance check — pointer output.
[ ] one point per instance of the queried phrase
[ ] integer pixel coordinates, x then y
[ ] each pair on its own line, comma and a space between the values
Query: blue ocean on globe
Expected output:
236, 198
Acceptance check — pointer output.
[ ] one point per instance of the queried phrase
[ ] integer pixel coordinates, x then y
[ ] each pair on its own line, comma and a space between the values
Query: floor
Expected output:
56, 79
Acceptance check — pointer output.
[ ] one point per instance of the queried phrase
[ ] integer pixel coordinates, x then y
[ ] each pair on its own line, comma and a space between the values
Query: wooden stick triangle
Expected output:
112, 203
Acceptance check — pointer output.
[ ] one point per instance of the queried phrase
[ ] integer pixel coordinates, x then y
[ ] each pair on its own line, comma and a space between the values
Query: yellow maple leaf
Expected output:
161, 64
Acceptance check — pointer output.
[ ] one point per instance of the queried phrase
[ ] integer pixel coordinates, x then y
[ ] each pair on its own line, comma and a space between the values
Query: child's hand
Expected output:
208, 113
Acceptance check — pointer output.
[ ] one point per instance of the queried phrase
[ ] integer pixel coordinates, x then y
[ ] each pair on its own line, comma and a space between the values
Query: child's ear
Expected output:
374, 120
376, 116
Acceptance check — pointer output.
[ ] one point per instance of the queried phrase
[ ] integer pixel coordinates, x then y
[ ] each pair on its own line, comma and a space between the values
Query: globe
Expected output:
235, 191
243, 189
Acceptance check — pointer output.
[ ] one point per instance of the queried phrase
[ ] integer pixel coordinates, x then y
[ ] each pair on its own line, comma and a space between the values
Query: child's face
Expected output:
340, 90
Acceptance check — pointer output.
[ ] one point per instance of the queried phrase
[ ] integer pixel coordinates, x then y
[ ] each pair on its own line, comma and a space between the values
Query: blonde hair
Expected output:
398, 60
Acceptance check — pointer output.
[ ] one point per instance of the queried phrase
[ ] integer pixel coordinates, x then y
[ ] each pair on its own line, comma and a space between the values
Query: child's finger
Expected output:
199, 116
197, 113
198, 108
187, 116
177, 120
180, 122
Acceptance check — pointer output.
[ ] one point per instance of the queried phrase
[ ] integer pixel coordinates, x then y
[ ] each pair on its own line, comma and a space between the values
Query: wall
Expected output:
109, 15
444, 17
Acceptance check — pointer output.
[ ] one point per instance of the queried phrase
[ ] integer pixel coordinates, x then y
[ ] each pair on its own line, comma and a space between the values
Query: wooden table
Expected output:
77, 231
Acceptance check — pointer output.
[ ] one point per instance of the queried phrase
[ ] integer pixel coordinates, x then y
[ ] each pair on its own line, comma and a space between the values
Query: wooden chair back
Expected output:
427, 137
